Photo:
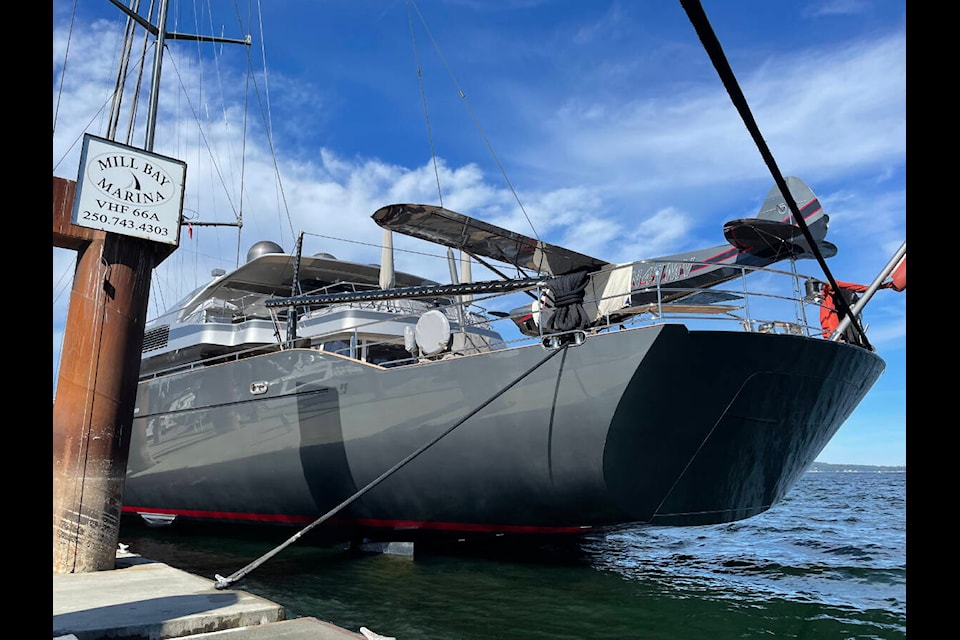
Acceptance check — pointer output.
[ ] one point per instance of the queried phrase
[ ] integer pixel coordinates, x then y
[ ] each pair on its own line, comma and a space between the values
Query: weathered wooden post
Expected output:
141, 196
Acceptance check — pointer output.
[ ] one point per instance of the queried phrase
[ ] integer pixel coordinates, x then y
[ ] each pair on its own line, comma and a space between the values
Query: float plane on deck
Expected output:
769, 237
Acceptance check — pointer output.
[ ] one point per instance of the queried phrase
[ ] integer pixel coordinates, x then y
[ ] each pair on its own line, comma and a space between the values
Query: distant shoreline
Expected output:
826, 467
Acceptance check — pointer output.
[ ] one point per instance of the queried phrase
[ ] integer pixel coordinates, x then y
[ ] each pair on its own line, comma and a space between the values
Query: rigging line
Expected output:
486, 140
182, 140
68, 272
217, 56
711, 43
157, 288
66, 278
85, 128
63, 69
269, 115
202, 99
265, 114
139, 83
125, 48
246, 111
243, 153
423, 97
203, 135
223, 583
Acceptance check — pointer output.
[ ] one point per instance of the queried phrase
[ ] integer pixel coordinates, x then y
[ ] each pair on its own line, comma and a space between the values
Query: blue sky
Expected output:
606, 120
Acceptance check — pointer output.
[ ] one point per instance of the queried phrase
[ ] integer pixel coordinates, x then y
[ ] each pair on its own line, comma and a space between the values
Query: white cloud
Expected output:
836, 8
820, 112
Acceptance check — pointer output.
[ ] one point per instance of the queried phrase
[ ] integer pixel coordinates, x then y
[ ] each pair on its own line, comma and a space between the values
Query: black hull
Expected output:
655, 425
743, 439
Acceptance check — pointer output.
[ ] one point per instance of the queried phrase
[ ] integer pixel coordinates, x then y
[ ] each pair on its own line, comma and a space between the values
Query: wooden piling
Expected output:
96, 385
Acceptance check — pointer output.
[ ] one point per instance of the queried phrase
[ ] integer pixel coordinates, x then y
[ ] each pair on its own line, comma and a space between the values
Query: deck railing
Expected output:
751, 299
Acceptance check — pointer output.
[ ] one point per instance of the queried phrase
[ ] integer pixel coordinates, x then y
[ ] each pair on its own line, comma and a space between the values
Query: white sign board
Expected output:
129, 191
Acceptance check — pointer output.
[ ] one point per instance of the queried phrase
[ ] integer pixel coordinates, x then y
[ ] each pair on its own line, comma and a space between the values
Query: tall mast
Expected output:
155, 82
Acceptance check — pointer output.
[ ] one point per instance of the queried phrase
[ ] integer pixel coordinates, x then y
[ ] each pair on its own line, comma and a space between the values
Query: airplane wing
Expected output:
772, 240
451, 229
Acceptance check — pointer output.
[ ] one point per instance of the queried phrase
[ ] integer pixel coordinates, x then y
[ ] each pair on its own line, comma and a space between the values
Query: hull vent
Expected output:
155, 338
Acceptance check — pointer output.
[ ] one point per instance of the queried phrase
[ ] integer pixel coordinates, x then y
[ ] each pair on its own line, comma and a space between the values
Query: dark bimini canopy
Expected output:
475, 237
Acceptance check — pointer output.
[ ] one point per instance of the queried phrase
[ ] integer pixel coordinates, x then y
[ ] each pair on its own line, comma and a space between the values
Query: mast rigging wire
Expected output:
63, 70
423, 97
476, 121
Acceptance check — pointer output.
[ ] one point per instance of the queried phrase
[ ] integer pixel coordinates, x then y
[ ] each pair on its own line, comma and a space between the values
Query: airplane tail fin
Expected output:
775, 207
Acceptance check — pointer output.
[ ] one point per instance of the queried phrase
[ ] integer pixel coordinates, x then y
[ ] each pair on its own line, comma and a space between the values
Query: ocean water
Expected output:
828, 562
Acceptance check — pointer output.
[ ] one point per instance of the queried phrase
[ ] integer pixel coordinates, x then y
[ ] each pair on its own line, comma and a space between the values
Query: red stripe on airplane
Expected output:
723, 255
805, 215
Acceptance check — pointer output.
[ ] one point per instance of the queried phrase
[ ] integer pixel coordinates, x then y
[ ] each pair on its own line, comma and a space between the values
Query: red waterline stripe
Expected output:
366, 522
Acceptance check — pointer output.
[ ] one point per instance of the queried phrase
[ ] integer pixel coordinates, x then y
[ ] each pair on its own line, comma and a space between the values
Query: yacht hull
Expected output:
653, 425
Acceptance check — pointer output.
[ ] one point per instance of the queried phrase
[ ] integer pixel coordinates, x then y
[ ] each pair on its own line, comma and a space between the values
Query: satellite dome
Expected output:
262, 248
328, 256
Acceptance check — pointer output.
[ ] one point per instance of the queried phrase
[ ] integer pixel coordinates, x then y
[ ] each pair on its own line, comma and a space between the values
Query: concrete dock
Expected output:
146, 600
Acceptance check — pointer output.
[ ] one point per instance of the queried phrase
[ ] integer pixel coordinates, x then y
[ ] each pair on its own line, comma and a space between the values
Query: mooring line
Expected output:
223, 583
